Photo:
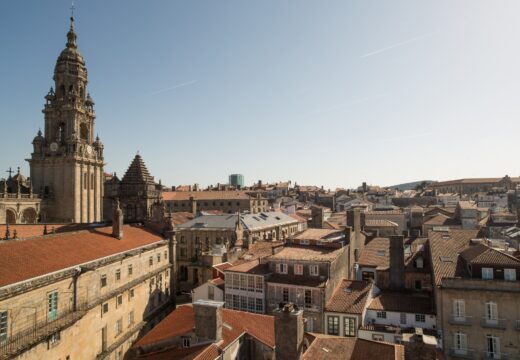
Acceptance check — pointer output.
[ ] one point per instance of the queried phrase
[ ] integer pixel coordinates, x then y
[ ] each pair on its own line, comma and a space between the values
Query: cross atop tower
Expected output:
10, 172
72, 8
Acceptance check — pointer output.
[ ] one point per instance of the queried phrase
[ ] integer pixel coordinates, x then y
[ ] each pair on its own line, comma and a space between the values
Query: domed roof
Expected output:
38, 137
70, 56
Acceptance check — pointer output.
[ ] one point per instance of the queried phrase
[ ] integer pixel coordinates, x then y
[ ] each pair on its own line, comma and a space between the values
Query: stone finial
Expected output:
117, 222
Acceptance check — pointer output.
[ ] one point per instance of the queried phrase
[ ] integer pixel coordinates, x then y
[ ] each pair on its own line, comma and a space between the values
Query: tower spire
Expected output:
71, 35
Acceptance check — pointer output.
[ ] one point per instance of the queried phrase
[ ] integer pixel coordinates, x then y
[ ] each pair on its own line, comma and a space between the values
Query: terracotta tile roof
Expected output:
310, 253
222, 266
328, 347
260, 249
299, 218
445, 247
182, 217
403, 302
350, 297
205, 195
24, 231
317, 234
484, 255
182, 321
218, 282
250, 267
376, 254
380, 223
60, 251
442, 220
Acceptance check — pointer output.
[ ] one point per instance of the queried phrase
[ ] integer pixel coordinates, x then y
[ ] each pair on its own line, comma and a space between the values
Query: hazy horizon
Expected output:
322, 93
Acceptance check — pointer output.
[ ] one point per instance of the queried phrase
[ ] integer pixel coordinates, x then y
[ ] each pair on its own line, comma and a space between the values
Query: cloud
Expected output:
396, 45
173, 87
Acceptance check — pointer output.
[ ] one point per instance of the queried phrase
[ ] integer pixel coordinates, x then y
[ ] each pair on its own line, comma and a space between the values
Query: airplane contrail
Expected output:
173, 87
390, 47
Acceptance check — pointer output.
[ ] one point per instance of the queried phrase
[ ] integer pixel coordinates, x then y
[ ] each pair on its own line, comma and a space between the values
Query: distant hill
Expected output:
410, 185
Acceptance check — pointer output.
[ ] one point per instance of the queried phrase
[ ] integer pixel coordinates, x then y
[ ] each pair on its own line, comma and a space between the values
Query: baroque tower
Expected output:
67, 163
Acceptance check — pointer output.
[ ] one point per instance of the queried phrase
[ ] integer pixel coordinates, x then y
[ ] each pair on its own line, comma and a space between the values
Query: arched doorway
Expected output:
29, 216
10, 216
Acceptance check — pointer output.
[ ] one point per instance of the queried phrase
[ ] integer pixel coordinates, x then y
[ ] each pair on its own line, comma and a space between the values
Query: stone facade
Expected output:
67, 162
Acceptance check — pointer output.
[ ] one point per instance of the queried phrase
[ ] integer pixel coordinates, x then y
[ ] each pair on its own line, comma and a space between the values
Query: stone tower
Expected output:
67, 163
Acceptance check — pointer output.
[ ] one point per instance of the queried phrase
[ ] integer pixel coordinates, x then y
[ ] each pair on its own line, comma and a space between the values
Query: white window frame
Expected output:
298, 269
459, 309
314, 270
460, 343
487, 273
510, 274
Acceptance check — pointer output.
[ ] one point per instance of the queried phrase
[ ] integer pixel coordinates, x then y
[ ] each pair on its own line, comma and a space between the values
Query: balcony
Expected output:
493, 324
462, 353
460, 320
495, 356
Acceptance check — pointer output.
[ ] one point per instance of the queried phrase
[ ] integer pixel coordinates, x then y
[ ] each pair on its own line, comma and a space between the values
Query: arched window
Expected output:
10, 216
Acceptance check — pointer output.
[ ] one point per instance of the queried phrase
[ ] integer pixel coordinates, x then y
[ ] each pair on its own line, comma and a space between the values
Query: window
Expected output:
281, 268
229, 300
243, 282
259, 306
183, 240
236, 281
420, 318
381, 314
119, 327
419, 263
378, 337
158, 258
493, 347
3, 326
308, 298
251, 304
186, 341
298, 269
118, 274
309, 324
105, 308
285, 295
259, 284
52, 306
510, 274
487, 273
236, 302
131, 294
119, 300
103, 280
403, 319
183, 253
491, 311
333, 325
130, 270
165, 255
304, 242
243, 303
130, 318
150, 261
349, 325
250, 283
460, 340
418, 284
314, 270
459, 308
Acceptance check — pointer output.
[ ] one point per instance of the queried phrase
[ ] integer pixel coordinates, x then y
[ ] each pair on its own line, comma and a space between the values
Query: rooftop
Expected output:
308, 253
182, 321
250, 267
349, 297
318, 234
61, 251
401, 301
205, 195
328, 347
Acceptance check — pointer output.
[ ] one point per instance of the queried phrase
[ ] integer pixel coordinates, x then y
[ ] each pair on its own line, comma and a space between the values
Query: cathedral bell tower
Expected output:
67, 163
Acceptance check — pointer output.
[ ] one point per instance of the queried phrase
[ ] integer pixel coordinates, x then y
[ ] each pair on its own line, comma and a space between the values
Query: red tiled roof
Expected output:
182, 321
402, 302
250, 267
328, 347
349, 297
316, 234
298, 217
376, 253
182, 217
45, 254
24, 231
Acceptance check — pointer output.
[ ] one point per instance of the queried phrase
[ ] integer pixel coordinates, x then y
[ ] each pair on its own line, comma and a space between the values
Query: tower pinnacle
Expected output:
71, 35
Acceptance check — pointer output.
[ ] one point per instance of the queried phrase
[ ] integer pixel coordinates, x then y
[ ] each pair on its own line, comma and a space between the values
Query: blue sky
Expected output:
318, 92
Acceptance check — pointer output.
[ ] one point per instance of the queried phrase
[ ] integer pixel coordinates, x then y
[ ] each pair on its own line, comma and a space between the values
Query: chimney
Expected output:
396, 262
348, 234
117, 221
288, 331
208, 319
357, 224
193, 205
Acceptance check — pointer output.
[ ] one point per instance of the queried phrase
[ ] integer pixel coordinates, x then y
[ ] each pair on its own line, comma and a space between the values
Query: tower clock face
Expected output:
54, 147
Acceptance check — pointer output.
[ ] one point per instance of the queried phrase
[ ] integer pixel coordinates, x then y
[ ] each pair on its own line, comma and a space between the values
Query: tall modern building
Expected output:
236, 180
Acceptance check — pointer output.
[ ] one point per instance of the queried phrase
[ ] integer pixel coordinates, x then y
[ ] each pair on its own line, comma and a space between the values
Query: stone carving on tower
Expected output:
67, 161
